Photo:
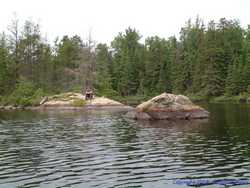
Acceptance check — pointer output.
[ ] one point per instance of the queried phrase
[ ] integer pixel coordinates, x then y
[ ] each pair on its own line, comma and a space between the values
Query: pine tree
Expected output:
103, 82
127, 62
5, 74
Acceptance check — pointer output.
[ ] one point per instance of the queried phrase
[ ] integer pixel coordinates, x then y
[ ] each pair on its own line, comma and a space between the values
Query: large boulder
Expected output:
168, 106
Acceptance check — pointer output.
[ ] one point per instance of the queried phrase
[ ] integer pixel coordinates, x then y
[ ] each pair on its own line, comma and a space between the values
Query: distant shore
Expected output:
121, 102
240, 99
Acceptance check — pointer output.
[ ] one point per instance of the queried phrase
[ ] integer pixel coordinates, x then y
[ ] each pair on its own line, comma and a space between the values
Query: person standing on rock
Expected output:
89, 94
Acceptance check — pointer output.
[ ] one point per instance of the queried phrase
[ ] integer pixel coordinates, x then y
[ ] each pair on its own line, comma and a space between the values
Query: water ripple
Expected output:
105, 150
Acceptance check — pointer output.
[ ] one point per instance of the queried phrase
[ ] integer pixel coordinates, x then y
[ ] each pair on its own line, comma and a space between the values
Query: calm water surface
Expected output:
103, 149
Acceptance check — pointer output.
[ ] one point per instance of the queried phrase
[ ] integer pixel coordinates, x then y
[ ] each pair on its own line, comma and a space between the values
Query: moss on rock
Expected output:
78, 103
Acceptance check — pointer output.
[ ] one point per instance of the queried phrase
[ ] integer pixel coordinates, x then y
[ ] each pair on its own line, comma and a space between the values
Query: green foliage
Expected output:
223, 99
241, 98
5, 70
106, 93
157, 66
25, 94
131, 100
78, 102
103, 81
127, 62
248, 89
25, 89
199, 97
206, 62
77, 89
37, 97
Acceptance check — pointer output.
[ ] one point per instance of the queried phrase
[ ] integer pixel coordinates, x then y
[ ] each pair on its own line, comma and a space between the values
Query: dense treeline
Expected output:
212, 60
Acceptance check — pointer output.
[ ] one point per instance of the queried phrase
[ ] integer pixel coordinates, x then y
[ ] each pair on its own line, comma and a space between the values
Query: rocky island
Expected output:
72, 101
167, 107
163, 107
76, 101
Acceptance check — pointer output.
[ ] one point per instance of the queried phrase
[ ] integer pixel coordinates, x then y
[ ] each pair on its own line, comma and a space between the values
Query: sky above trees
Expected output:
106, 18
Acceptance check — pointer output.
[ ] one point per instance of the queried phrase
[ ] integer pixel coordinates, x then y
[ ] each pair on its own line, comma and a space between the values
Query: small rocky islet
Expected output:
168, 107
76, 101
71, 101
162, 107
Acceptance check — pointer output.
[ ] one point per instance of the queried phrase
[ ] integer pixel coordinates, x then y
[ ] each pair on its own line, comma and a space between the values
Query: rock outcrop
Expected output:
77, 101
62, 100
102, 101
73, 101
168, 106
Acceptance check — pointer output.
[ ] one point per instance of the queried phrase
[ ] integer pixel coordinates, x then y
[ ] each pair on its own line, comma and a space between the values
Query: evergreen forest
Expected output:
205, 61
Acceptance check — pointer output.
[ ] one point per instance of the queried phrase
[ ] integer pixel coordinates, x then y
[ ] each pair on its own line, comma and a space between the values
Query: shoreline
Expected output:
240, 99
222, 99
61, 108
130, 102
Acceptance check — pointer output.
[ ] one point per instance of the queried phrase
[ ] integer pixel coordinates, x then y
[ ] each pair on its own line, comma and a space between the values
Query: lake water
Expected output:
103, 149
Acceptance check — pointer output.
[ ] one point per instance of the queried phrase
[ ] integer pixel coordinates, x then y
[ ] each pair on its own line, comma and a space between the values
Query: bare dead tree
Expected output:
13, 29
14, 40
90, 72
